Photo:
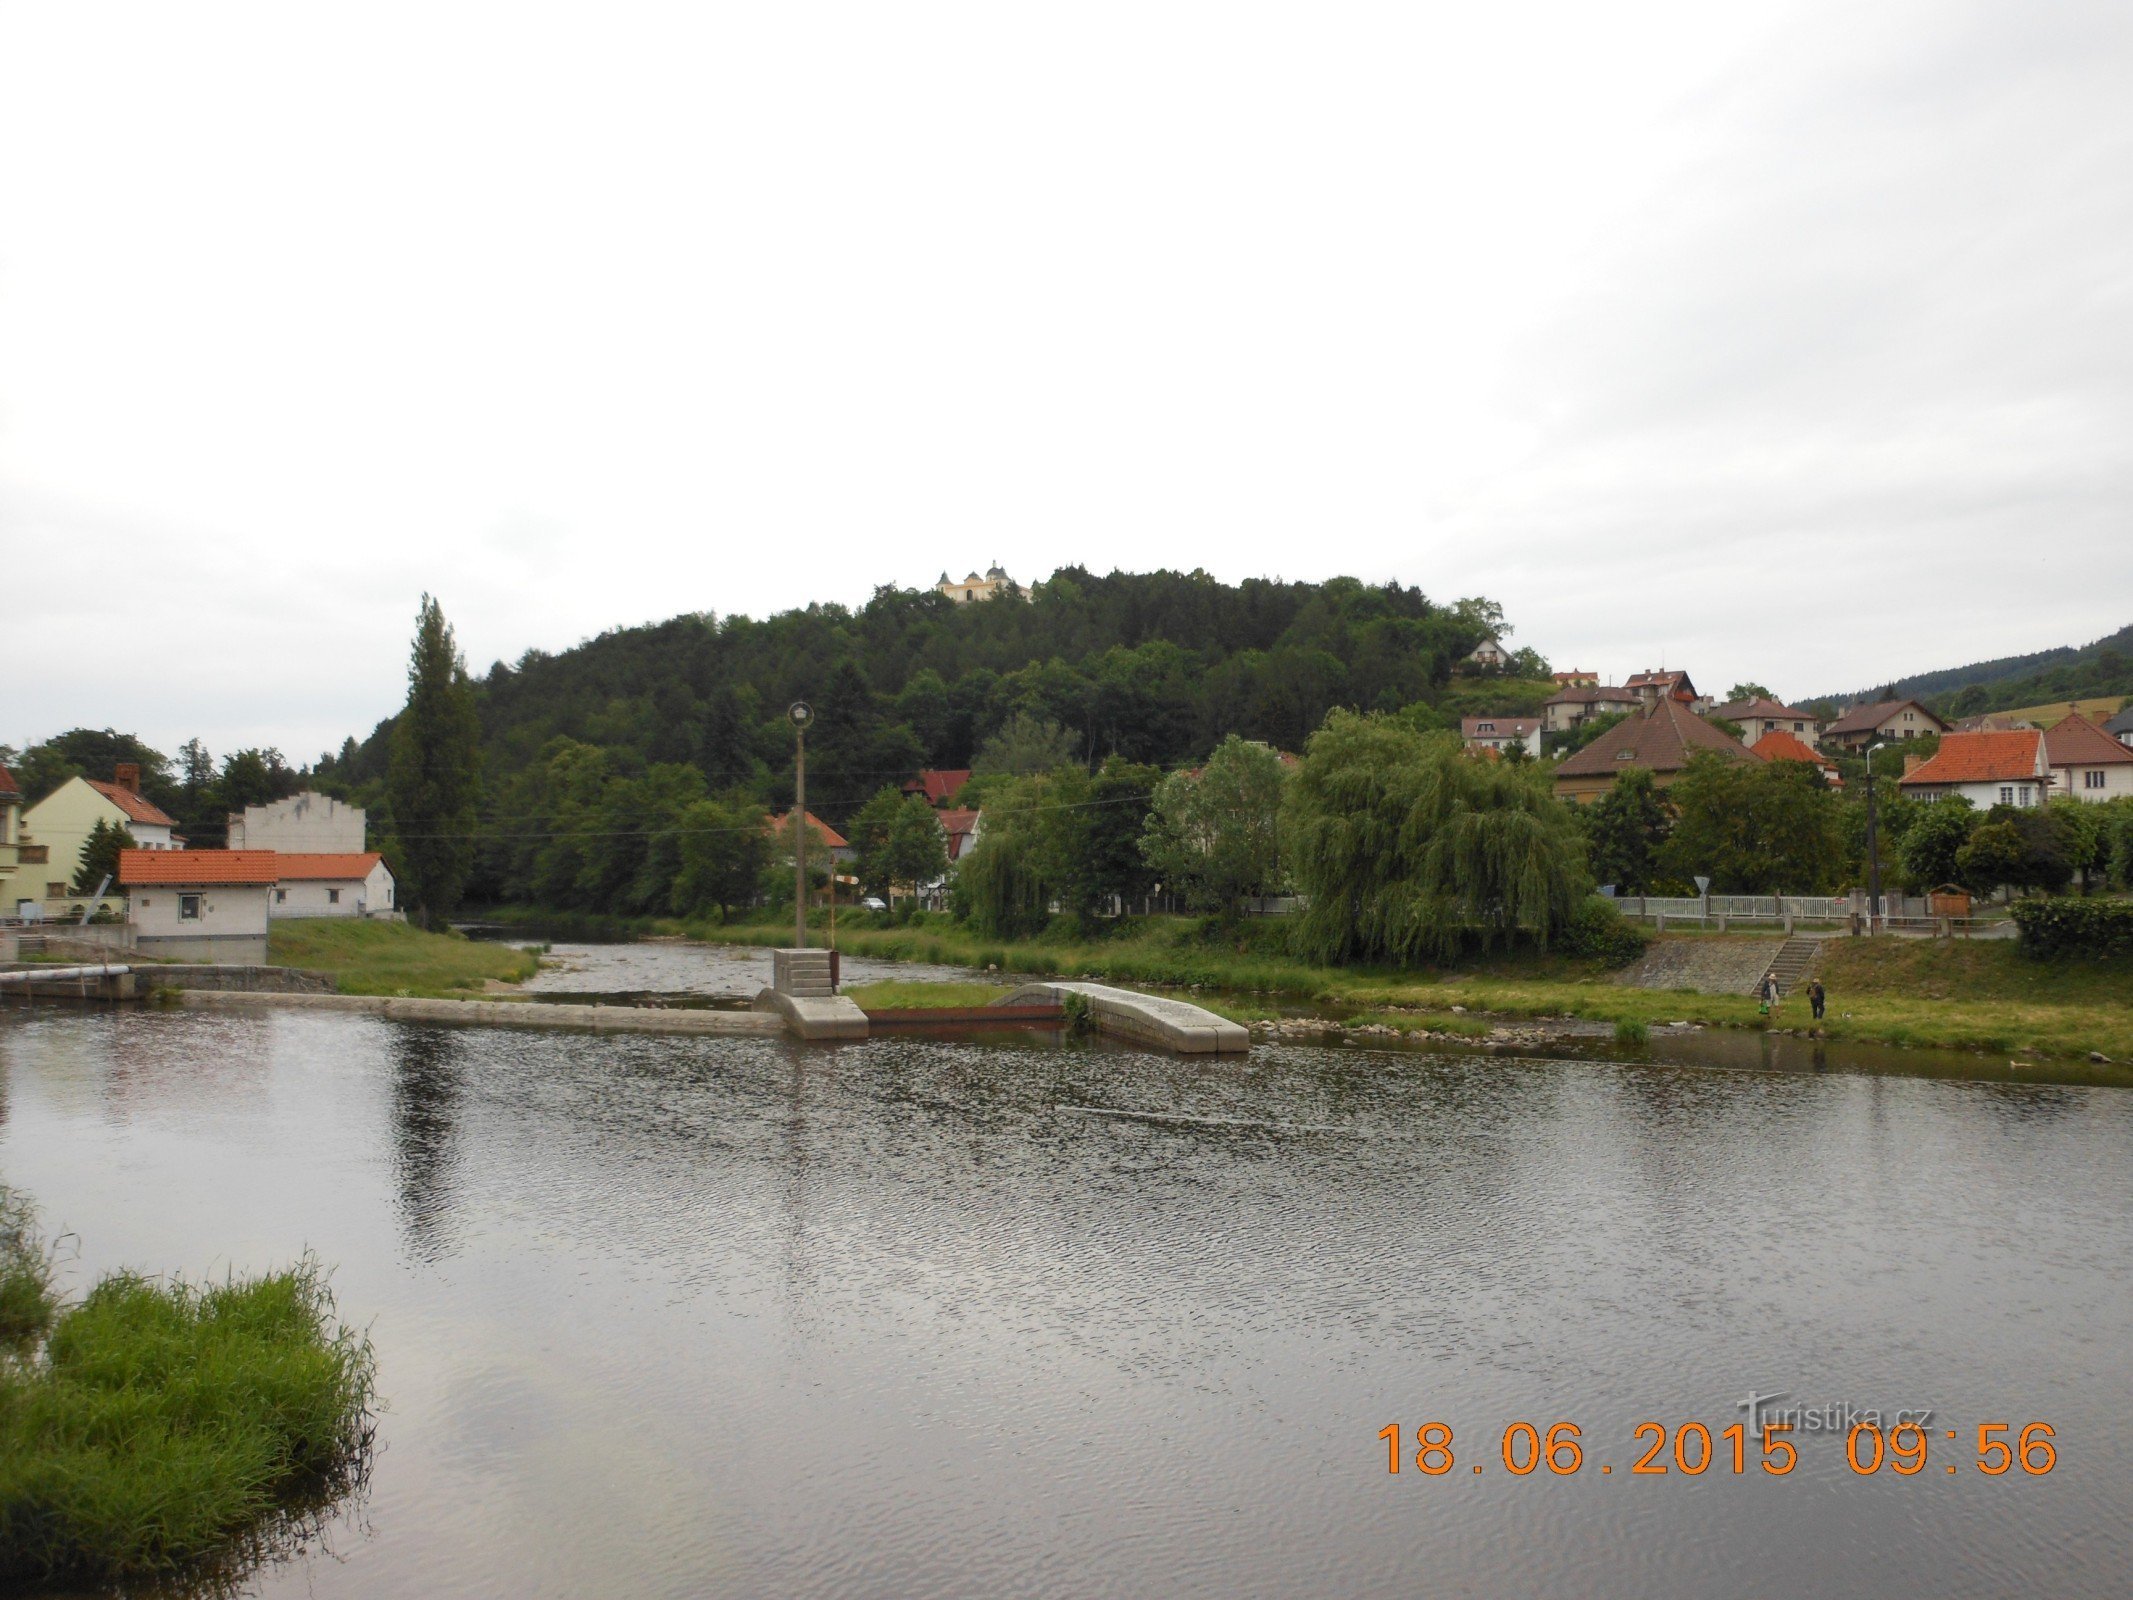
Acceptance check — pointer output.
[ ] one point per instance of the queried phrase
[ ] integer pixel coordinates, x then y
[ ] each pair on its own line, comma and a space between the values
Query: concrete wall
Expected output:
307, 823
230, 949
236, 910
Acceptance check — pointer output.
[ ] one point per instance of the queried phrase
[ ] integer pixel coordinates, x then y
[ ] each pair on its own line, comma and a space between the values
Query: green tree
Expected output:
434, 779
1409, 849
1771, 827
1027, 744
1747, 691
100, 856
2080, 830
1215, 835
1625, 830
725, 852
1994, 855
898, 840
1115, 868
1930, 846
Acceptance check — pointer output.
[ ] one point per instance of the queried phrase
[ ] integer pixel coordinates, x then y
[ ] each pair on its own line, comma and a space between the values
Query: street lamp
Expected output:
1873, 844
801, 714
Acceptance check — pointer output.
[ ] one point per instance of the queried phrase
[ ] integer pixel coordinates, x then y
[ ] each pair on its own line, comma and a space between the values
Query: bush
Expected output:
2075, 927
1632, 1033
167, 1429
1597, 931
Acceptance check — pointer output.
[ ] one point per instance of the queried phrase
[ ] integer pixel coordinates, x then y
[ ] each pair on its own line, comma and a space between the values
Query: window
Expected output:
2093, 778
2025, 795
281, 896
2006, 794
188, 908
36, 855
333, 896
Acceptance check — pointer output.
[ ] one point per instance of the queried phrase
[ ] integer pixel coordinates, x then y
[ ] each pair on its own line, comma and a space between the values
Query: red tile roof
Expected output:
1979, 758
130, 801
1592, 694
776, 824
7, 782
2078, 742
1778, 745
1662, 740
1864, 719
198, 866
1762, 706
301, 866
939, 786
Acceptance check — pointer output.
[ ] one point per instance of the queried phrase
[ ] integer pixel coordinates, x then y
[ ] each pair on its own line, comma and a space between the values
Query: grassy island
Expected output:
364, 957
160, 1429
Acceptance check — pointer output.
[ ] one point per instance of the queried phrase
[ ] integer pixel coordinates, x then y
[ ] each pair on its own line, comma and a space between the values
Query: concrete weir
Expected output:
1144, 1018
492, 1013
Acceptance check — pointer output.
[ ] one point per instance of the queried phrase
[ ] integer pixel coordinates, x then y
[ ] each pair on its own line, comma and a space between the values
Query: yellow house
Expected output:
54, 830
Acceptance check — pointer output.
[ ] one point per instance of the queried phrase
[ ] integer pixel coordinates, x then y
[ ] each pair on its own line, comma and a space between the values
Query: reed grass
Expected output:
161, 1429
365, 957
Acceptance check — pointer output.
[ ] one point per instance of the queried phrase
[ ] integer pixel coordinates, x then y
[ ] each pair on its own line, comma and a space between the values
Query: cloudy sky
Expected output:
1770, 339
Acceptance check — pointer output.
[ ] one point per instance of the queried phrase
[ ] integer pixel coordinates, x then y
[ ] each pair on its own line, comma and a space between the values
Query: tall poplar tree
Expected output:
434, 778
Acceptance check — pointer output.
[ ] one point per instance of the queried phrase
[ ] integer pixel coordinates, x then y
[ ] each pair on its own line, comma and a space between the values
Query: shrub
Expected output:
1632, 1033
2075, 927
167, 1429
1597, 931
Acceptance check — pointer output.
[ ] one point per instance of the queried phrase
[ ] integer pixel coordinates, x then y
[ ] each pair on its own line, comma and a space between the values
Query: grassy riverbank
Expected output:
160, 1429
365, 957
1982, 996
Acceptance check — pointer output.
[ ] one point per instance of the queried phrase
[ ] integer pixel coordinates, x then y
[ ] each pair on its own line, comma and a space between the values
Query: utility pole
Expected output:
1873, 846
801, 714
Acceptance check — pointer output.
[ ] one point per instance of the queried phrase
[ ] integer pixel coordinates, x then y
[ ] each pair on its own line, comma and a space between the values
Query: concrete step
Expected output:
1791, 964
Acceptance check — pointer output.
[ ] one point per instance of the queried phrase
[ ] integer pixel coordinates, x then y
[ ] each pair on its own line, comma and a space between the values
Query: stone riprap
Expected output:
1712, 964
1144, 1018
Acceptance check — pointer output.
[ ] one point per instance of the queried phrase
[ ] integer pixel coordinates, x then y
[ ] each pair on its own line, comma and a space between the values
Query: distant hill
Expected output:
2068, 672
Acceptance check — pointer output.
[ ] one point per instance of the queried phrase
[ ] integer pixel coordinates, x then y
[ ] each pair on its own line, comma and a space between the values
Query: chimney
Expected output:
1912, 761
127, 775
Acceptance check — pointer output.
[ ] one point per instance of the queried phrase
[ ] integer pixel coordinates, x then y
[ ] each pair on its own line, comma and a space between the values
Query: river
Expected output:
697, 1316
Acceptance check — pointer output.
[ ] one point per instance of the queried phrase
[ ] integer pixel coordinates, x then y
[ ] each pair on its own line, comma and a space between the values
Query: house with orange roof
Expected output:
1661, 741
1783, 746
200, 905
1987, 769
821, 835
58, 826
2085, 761
331, 883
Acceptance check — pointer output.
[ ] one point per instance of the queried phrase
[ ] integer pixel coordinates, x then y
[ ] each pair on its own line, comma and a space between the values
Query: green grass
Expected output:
365, 957
1980, 996
163, 1429
894, 996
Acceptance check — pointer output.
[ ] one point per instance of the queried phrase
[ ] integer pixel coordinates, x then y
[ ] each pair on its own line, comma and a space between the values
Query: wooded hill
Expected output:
2068, 672
1155, 667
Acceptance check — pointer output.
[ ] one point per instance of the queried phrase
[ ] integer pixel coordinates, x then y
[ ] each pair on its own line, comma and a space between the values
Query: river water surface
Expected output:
699, 1316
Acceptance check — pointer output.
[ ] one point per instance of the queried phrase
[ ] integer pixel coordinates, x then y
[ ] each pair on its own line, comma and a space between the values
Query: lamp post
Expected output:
1873, 845
801, 714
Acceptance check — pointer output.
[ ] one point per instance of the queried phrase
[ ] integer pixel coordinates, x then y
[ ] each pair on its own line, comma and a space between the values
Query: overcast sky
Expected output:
1774, 340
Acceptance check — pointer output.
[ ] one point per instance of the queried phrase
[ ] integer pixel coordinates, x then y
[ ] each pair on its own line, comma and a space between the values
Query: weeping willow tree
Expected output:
1410, 849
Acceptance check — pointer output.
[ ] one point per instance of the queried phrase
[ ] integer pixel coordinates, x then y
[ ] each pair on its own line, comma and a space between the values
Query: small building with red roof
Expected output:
200, 905
1987, 769
1662, 742
331, 884
2085, 761
1764, 715
939, 785
961, 826
1782, 746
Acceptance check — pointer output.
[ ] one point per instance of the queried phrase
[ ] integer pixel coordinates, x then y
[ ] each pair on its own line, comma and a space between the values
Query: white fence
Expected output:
1741, 907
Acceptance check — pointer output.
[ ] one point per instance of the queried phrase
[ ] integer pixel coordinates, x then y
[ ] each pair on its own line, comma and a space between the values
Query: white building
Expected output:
1500, 733
199, 905
2086, 762
306, 823
332, 884
1489, 653
1987, 769
995, 583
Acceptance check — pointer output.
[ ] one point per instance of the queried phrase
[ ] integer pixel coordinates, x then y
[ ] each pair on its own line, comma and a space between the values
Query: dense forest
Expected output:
1150, 667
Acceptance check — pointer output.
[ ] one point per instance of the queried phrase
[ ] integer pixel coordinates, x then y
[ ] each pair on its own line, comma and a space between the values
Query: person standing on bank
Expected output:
1816, 998
1767, 992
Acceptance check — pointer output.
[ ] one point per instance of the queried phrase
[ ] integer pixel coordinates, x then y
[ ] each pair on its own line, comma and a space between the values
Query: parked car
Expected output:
874, 902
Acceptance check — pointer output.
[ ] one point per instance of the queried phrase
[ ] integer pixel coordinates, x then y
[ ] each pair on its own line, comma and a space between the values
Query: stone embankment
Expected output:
495, 1013
1727, 964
